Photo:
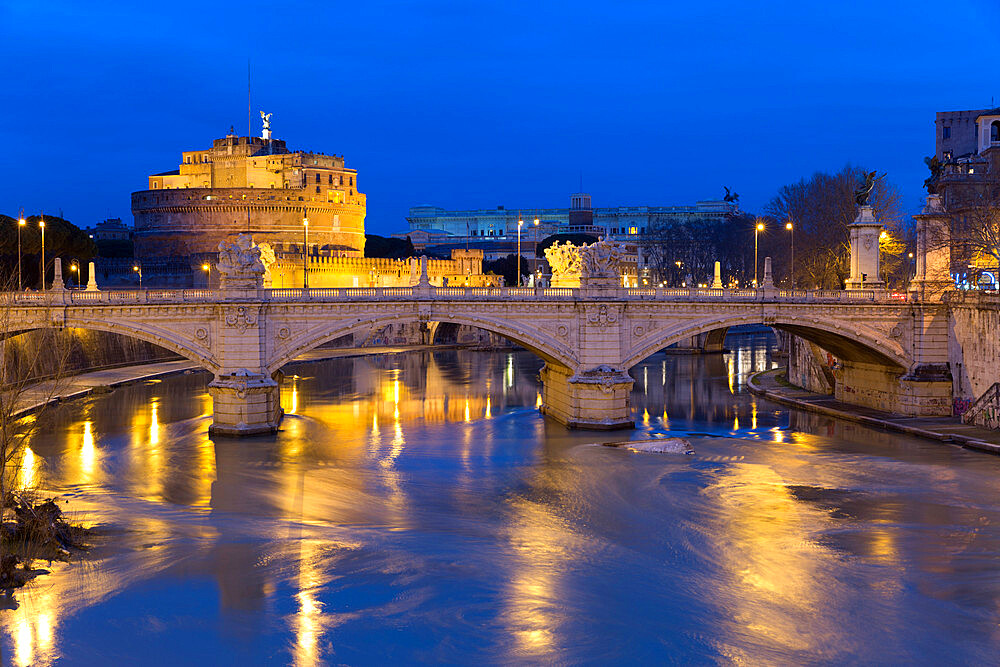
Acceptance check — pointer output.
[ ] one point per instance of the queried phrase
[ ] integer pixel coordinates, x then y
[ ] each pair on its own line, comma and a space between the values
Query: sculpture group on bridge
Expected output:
594, 264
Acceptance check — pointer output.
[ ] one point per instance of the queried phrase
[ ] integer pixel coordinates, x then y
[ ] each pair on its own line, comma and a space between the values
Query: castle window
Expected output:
352, 181
317, 189
995, 131
317, 179
330, 180
946, 133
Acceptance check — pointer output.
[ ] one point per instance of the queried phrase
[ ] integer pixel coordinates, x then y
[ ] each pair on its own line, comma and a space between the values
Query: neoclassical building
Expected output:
967, 149
250, 184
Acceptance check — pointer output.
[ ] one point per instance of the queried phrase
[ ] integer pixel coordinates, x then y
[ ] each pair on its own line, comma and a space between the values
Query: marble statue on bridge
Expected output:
240, 257
241, 264
564, 264
602, 260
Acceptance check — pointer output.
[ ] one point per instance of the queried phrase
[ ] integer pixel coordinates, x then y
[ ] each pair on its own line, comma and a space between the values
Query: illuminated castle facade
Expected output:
250, 184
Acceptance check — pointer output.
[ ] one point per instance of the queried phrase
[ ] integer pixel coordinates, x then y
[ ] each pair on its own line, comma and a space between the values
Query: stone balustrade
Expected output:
333, 294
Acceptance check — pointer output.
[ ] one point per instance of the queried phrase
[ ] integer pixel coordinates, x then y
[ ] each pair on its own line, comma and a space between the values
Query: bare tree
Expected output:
975, 232
676, 250
23, 395
820, 209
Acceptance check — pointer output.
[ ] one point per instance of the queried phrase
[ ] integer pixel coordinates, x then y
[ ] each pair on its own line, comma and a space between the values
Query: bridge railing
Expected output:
326, 294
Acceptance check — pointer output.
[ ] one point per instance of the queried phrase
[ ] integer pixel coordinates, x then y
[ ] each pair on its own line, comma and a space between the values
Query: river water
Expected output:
418, 507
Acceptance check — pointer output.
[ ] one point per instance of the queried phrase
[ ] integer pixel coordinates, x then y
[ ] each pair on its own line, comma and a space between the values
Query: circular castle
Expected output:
249, 184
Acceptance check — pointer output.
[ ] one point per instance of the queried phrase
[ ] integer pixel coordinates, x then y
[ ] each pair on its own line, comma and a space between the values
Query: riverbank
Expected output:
944, 429
78, 386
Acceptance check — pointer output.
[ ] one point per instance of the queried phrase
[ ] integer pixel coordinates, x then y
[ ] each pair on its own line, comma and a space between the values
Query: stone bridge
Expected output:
893, 347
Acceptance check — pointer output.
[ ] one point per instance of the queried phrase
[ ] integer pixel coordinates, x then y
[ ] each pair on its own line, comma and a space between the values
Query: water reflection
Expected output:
417, 507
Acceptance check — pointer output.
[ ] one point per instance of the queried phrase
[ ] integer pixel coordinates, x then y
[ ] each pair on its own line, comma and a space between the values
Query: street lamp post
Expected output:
305, 252
21, 222
74, 266
791, 273
41, 226
883, 237
207, 268
756, 232
138, 269
520, 223
534, 251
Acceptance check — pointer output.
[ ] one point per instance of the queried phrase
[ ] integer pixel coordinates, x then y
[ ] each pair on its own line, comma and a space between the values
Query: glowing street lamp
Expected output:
534, 250
138, 269
305, 251
41, 226
520, 223
791, 274
21, 222
756, 232
75, 268
207, 268
883, 238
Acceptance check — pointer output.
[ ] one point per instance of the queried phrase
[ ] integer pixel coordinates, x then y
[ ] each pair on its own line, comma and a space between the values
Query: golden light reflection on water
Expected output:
28, 472
778, 582
88, 454
308, 619
532, 597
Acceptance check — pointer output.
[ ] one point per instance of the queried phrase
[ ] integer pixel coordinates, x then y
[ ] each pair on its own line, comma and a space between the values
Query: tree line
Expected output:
63, 239
813, 213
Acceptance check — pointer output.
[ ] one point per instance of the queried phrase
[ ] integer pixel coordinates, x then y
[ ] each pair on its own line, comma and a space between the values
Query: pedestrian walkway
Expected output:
76, 386
945, 429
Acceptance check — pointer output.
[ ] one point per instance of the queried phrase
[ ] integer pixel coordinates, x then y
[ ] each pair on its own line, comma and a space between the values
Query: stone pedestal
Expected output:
933, 270
601, 288
245, 403
596, 399
865, 267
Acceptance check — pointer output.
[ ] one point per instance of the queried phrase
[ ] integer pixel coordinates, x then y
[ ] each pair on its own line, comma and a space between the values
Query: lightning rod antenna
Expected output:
249, 106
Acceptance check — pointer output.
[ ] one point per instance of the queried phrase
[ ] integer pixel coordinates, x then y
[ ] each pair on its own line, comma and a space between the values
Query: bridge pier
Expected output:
245, 403
597, 399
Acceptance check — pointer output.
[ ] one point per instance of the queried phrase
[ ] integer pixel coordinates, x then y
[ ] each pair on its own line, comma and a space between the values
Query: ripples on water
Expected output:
417, 507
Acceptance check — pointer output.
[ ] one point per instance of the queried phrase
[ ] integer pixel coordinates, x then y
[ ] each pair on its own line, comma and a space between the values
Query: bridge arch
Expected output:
147, 332
542, 343
848, 341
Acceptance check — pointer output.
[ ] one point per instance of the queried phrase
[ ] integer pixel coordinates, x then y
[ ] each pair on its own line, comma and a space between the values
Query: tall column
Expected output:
91, 278
717, 280
864, 235
933, 275
57, 280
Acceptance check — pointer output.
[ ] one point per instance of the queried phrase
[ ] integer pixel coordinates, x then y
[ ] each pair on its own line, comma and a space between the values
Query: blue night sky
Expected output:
475, 104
